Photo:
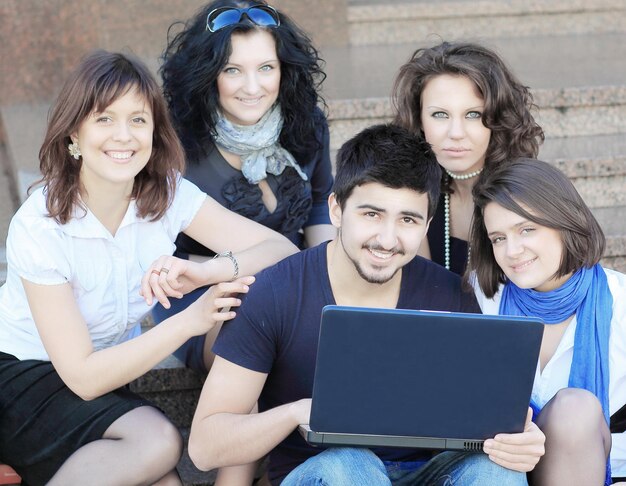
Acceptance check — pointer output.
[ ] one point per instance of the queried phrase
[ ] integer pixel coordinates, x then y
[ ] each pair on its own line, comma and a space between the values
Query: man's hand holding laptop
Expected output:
520, 452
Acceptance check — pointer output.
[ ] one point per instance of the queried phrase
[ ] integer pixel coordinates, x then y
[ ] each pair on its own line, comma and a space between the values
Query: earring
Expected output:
74, 150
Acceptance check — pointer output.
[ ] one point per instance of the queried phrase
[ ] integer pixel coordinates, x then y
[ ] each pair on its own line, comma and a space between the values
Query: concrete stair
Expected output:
378, 22
611, 220
174, 388
572, 53
596, 164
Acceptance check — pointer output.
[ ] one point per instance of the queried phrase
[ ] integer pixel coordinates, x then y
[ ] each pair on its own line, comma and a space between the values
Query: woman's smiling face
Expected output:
249, 83
528, 253
116, 144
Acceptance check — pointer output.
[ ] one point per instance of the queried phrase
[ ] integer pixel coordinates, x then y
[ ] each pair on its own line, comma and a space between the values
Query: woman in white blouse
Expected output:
85, 263
535, 248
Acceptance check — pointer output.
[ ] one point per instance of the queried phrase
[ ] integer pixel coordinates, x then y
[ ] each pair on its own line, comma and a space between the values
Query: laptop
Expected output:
420, 379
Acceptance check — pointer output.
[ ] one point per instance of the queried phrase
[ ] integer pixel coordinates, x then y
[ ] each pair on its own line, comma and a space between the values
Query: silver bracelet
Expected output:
229, 254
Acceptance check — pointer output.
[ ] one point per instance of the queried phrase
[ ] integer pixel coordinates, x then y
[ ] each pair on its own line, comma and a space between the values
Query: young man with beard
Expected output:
385, 193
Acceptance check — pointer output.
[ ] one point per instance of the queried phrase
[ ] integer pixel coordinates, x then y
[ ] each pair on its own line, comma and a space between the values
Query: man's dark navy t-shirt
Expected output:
276, 331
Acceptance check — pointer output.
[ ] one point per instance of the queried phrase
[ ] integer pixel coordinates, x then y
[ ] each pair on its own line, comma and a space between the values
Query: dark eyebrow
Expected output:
369, 206
107, 111
521, 223
234, 64
412, 214
472, 108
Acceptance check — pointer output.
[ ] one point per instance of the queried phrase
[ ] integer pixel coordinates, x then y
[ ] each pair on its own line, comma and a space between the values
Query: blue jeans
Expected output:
352, 466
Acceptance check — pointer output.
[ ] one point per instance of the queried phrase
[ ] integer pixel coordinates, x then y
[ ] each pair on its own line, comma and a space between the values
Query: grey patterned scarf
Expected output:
257, 145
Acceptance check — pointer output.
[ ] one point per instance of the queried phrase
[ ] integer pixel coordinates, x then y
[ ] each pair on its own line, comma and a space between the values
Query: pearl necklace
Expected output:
446, 230
446, 216
462, 177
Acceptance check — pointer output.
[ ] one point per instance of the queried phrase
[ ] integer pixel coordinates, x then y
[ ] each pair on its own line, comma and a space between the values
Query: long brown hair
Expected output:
541, 193
508, 104
101, 78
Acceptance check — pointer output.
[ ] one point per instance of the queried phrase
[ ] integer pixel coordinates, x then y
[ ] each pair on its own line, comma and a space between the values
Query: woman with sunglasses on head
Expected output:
535, 252
475, 114
241, 82
87, 254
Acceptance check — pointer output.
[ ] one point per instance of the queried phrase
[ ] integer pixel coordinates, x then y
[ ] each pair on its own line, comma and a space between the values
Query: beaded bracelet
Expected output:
229, 254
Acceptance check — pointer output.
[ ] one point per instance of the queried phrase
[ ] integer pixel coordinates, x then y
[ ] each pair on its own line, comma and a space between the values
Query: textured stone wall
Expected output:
42, 39
325, 20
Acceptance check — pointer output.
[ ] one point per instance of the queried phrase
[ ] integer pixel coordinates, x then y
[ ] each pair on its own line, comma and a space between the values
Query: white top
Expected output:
555, 374
104, 271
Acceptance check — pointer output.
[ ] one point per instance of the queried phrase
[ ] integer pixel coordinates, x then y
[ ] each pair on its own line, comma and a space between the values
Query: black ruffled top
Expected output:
300, 203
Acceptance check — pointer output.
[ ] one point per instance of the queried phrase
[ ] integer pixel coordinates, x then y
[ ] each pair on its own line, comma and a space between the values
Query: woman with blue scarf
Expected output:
535, 248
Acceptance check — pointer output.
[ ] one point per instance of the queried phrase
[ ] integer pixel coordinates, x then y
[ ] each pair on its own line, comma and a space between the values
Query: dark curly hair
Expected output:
195, 57
99, 79
508, 104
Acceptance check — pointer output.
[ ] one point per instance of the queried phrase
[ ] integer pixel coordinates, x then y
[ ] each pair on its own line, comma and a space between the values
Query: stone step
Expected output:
613, 222
375, 23
542, 62
25, 126
171, 386
595, 164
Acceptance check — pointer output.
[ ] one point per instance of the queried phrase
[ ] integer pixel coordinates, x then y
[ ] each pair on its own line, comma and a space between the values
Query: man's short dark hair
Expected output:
391, 156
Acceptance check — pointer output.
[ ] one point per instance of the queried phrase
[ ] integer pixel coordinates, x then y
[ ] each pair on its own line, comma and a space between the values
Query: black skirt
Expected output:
42, 422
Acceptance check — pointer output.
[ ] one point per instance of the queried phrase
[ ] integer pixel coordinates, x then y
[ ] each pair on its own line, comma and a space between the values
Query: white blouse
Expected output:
555, 374
104, 271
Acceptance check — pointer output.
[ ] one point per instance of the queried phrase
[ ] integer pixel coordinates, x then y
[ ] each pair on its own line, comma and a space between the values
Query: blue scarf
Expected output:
587, 295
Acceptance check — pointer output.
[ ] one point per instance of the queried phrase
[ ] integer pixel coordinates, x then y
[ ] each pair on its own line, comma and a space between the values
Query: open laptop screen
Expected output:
418, 373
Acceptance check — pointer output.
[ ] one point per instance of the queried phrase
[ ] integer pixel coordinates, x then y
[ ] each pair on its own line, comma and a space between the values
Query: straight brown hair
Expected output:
540, 193
100, 79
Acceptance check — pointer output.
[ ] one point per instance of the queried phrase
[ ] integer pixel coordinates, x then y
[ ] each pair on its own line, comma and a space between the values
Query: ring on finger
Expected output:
156, 272
165, 270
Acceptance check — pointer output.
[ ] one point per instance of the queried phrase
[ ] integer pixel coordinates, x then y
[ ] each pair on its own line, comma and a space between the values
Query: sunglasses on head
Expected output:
262, 15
